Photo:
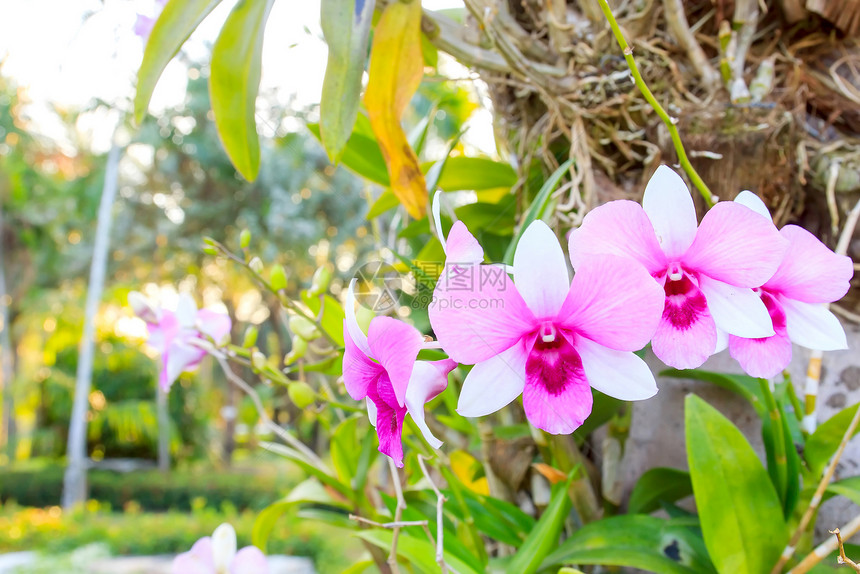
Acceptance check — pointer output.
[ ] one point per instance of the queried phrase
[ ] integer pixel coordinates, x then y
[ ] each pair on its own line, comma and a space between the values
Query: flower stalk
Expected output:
671, 123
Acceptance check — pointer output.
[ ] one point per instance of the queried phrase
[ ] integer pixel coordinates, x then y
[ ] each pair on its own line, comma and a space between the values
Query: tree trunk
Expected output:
75, 480
7, 357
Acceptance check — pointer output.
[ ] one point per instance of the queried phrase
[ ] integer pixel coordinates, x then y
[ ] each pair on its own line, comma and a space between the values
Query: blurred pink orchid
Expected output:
382, 367
547, 338
218, 555
173, 333
707, 273
144, 23
810, 274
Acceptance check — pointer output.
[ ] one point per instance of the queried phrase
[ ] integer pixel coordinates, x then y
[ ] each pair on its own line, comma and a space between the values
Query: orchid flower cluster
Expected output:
643, 273
176, 334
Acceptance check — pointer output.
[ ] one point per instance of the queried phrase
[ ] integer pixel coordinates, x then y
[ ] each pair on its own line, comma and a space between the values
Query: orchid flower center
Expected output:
548, 332
675, 273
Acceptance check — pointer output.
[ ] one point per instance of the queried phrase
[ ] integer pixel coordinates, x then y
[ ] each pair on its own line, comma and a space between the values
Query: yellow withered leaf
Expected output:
464, 465
396, 68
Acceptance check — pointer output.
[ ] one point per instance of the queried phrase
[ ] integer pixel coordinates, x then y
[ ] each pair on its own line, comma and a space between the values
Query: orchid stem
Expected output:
816, 498
398, 513
780, 459
284, 300
440, 525
671, 123
261, 411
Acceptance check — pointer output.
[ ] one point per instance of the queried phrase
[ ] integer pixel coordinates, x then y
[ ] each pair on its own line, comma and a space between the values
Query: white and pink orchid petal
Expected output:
186, 310
669, 206
179, 358
737, 310
395, 345
722, 341
613, 301
223, 547
371, 411
462, 247
162, 333
617, 228
619, 374
351, 323
213, 324
143, 307
765, 357
480, 322
428, 380
492, 384
389, 422
754, 202
812, 326
810, 272
736, 245
198, 560
249, 560
359, 371
557, 397
686, 335
540, 271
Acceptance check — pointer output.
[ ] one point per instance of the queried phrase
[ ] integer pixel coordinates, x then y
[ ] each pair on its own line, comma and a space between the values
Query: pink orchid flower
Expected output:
173, 334
548, 338
217, 555
382, 367
707, 273
460, 246
809, 276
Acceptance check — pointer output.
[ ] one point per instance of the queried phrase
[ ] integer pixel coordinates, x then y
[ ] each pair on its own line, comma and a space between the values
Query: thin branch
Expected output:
671, 123
440, 530
824, 549
398, 513
388, 525
816, 498
258, 405
842, 558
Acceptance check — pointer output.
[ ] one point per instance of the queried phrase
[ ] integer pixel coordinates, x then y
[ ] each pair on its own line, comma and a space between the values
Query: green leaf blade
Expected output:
636, 541
175, 24
659, 485
740, 512
234, 82
346, 27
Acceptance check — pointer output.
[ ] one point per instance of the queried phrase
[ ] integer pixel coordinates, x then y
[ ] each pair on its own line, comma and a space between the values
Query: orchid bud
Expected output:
223, 547
304, 328
244, 239
256, 265
258, 360
142, 306
277, 277
298, 350
301, 394
320, 281
250, 337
